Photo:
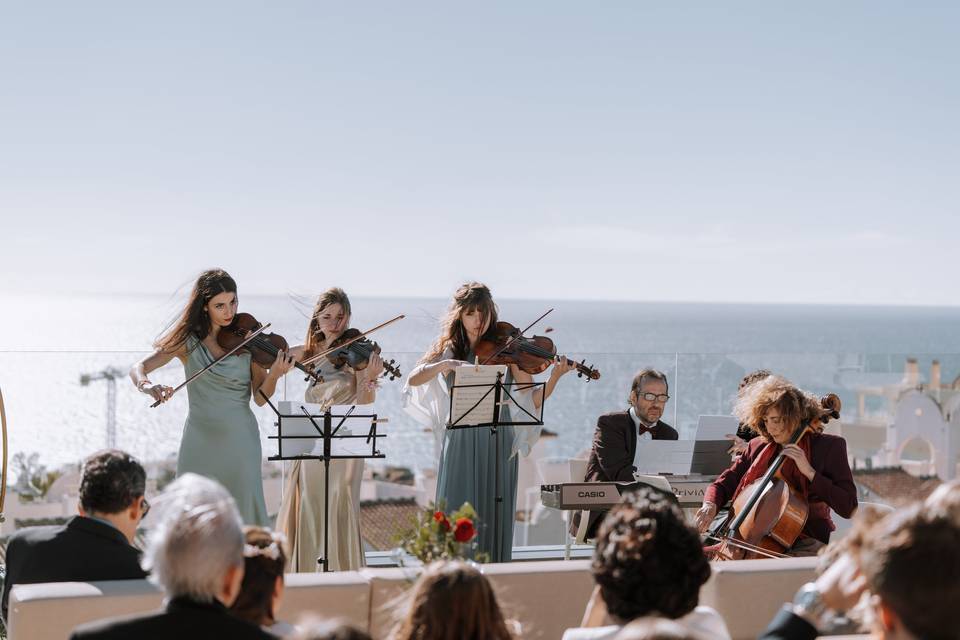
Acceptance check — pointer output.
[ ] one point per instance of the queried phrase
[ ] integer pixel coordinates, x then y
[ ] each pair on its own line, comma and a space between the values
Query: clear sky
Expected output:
704, 151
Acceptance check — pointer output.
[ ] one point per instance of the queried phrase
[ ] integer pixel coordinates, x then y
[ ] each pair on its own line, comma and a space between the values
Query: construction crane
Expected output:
110, 374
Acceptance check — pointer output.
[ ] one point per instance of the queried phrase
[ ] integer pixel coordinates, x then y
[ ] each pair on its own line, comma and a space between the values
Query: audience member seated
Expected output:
328, 630
945, 500
95, 545
263, 567
647, 563
195, 554
909, 563
452, 601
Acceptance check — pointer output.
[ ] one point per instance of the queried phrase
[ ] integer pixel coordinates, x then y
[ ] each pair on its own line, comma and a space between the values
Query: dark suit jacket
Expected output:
81, 550
832, 482
789, 626
611, 458
182, 619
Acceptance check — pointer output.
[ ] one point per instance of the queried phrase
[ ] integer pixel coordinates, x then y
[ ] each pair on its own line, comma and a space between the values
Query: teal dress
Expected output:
221, 439
467, 474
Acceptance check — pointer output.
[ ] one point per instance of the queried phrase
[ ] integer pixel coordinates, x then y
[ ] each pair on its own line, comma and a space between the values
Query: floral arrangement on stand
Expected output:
437, 535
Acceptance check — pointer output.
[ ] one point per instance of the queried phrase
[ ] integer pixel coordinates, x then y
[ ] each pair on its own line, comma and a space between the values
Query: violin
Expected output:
263, 349
352, 349
769, 514
505, 344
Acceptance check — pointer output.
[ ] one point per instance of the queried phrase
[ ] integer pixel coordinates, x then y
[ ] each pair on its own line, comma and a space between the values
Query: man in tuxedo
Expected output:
620, 434
195, 552
95, 545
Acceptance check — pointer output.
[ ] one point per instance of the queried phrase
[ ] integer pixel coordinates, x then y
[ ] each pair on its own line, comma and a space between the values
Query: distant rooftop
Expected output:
893, 485
381, 521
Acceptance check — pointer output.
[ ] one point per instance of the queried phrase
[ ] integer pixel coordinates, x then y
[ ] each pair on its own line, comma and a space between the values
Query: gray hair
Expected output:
198, 538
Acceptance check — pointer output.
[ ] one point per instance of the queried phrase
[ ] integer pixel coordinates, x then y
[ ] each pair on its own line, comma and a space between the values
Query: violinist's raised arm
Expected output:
221, 438
468, 457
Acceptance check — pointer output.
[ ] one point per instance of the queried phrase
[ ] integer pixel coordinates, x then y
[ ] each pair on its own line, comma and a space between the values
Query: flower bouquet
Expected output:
437, 535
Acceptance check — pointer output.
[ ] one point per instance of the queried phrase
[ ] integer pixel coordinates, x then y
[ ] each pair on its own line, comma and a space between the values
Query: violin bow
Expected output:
3, 478
514, 338
313, 359
212, 364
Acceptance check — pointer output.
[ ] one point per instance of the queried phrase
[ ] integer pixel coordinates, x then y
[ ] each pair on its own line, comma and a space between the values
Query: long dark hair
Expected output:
264, 561
316, 337
194, 319
472, 296
452, 601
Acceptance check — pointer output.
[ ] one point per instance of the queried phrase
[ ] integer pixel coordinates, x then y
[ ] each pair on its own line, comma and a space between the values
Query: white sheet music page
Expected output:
465, 397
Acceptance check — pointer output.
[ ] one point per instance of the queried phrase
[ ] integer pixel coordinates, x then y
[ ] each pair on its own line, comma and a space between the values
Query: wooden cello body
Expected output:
769, 515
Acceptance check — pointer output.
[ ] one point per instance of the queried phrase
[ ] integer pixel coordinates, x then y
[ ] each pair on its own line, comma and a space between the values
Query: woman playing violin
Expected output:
301, 513
221, 439
468, 456
816, 466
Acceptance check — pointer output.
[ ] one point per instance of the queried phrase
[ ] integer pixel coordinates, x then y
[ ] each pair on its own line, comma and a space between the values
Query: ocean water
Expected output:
48, 342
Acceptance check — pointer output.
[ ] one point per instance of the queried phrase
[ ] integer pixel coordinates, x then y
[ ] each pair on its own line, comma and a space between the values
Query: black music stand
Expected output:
499, 389
327, 431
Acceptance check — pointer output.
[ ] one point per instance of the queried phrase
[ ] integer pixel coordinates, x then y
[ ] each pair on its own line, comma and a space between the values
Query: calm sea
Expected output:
47, 343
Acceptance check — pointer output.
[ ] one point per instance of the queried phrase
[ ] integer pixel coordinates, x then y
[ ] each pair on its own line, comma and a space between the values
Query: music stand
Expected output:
327, 432
499, 389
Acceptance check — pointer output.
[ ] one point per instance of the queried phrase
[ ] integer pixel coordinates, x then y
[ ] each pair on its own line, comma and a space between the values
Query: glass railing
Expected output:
59, 406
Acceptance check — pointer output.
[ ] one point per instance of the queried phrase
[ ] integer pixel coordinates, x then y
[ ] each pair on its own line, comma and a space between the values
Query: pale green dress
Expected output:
301, 510
221, 439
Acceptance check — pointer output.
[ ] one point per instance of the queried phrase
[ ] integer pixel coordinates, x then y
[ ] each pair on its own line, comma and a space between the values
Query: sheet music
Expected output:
464, 398
314, 446
664, 456
716, 427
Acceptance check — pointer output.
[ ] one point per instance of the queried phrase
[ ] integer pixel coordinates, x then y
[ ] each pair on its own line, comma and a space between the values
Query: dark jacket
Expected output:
832, 482
789, 626
612, 455
181, 619
82, 550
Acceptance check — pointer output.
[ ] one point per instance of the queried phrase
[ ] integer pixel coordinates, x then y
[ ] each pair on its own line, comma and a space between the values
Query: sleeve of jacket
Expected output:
789, 626
11, 574
610, 443
721, 491
834, 482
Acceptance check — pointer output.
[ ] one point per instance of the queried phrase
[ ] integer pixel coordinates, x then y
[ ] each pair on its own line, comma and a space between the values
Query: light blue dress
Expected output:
221, 439
467, 474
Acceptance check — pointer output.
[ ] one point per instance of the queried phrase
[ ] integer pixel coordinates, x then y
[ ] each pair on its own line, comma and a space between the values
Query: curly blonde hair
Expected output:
774, 392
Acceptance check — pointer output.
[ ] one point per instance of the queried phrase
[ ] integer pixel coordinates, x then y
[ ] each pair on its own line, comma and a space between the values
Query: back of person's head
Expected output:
264, 561
945, 501
110, 482
752, 377
197, 541
912, 563
335, 629
655, 629
647, 560
452, 601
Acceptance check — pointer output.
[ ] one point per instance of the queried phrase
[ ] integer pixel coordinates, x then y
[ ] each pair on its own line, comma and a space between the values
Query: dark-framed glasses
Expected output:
655, 397
144, 508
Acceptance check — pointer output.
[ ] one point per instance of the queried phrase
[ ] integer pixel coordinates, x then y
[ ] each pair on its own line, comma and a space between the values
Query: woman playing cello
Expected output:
301, 512
221, 439
468, 456
816, 467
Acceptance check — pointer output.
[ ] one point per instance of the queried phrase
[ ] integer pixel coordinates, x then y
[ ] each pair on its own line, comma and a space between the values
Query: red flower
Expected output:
441, 518
464, 531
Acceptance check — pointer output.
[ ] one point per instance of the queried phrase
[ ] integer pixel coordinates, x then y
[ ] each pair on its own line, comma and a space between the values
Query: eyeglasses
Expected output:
658, 397
144, 508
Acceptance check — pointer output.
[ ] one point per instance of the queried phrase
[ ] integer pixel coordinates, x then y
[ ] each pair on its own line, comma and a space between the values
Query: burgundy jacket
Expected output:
611, 458
832, 482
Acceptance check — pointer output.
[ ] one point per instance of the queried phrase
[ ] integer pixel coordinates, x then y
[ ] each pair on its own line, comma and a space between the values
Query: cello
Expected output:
768, 515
